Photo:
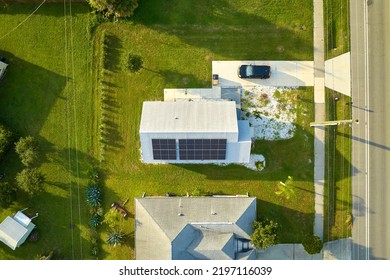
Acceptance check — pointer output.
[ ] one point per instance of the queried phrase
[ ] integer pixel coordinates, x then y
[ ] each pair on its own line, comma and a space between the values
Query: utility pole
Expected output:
327, 123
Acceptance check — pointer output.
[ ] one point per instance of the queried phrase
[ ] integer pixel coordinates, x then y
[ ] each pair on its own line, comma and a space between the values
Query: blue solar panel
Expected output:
164, 149
202, 149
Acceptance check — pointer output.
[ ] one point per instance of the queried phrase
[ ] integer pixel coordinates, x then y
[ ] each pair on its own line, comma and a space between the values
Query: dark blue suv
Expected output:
254, 71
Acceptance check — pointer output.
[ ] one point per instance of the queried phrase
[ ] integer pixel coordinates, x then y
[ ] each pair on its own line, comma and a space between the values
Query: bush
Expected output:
116, 238
95, 220
30, 180
26, 148
6, 137
94, 196
134, 63
259, 165
116, 8
312, 244
198, 192
7, 194
265, 233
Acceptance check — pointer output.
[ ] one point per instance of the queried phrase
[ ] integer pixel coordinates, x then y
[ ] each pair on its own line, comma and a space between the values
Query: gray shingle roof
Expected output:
192, 227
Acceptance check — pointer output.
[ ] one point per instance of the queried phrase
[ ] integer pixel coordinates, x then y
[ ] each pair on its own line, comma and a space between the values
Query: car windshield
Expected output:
249, 70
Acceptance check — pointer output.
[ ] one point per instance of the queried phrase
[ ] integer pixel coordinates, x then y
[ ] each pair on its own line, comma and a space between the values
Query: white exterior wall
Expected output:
147, 150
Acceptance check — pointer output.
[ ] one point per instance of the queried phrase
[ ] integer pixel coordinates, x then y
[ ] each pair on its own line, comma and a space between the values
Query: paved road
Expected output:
370, 50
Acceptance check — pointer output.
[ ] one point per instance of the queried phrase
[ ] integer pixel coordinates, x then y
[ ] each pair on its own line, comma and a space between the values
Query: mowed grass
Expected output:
177, 41
338, 185
47, 94
337, 30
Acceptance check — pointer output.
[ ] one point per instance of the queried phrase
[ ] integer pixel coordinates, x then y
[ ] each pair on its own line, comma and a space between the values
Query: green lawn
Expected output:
337, 30
39, 97
338, 189
177, 48
43, 97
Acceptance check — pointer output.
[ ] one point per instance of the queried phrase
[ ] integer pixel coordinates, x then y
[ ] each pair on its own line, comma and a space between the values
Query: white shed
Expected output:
15, 230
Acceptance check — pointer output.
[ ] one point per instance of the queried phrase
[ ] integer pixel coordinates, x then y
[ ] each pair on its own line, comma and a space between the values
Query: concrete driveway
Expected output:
283, 73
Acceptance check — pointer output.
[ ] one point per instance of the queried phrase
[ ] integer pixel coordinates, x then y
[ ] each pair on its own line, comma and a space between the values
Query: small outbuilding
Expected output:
15, 230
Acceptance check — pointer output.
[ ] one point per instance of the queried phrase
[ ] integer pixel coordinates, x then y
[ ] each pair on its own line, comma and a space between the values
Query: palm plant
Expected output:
286, 189
116, 238
94, 196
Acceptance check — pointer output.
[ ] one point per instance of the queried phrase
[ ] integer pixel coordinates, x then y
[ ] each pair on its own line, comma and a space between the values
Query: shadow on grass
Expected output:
294, 224
28, 93
113, 53
59, 225
218, 26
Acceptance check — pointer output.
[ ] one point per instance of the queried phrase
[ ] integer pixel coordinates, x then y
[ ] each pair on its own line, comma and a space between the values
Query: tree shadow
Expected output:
58, 223
113, 50
26, 97
214, 25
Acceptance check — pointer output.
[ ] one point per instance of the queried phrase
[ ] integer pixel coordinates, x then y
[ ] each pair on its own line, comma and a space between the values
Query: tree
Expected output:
286, 189
265, 233
30, 180
134, 63
26, 148
7, 194
6, 137
312, 244
117, 8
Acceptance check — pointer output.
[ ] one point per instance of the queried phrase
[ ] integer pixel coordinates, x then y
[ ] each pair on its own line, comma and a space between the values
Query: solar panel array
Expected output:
164, 149
189, 149
202, 149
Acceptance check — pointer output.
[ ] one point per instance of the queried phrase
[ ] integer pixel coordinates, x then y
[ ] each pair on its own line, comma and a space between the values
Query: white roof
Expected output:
14, 230
189, 116
173, 94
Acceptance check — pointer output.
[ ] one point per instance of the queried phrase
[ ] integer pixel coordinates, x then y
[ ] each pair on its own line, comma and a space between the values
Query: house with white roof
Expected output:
194, 228
198, 130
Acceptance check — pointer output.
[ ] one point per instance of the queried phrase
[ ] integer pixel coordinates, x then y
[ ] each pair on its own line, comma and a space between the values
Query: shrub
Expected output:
116, 238
198, 192
94, 175
134, 63
111, 218
26, 148
259, 165
30, 180
6, 137
312, 244
94, 251
265, 233
116, 8
95, 220
94, 196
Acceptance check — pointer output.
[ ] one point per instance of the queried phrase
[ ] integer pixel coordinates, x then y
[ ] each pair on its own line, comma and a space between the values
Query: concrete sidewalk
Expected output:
333, 250
319, 132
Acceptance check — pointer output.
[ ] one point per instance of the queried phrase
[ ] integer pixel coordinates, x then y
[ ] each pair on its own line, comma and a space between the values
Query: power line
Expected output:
16, 27
68, 128
75, 123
